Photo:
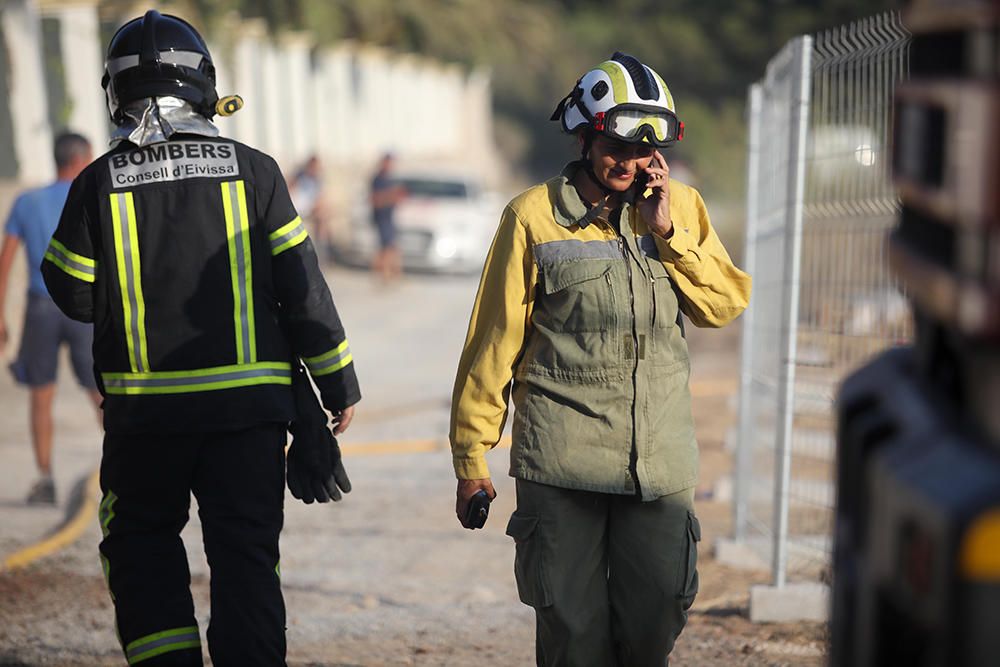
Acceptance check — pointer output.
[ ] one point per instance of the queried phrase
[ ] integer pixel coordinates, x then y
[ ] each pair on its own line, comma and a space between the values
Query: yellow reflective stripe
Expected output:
234, 205
618, 85
76, 273
137, 280
202, 372
200, 379
288, 236
326, 355
329, 362
291, 243
334, 367
162, 642
79, 259
227, 209
107, 512
248, 268
284, 229
127, 261
122, 280
199, 387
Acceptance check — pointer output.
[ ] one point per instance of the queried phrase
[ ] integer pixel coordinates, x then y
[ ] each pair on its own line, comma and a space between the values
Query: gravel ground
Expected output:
388, 577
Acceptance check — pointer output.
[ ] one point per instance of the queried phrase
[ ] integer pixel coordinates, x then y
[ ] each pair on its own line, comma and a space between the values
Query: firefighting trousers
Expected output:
238, 480
610, 577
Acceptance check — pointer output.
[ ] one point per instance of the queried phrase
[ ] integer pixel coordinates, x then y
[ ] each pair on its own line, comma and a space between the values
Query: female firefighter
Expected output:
578, 316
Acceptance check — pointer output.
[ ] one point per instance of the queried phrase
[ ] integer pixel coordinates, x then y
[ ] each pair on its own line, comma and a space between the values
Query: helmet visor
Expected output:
658, 127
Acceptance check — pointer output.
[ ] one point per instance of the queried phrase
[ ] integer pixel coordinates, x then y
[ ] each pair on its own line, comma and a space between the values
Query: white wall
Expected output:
348, 104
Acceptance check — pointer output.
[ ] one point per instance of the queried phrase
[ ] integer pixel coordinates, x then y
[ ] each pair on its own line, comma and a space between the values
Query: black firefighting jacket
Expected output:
203, 287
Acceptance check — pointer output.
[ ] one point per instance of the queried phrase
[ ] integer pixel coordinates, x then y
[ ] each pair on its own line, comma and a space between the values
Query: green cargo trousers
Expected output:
610, 577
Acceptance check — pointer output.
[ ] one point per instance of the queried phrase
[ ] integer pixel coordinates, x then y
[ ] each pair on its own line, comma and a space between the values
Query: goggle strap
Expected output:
557, 114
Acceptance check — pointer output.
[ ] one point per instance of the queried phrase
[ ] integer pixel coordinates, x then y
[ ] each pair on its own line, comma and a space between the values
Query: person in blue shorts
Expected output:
31, 223
385, 195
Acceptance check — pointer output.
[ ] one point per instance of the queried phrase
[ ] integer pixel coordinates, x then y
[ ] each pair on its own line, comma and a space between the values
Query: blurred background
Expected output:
457, 81
787, 109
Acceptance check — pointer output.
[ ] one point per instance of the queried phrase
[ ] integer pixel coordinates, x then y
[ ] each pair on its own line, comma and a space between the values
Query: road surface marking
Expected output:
86, 513
64, 536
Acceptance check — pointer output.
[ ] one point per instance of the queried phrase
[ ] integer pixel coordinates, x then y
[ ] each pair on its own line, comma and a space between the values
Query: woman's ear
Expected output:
583, 142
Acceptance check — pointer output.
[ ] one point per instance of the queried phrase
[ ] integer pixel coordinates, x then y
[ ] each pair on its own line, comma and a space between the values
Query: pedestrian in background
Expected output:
205, 291
385, 195
306, 189
31, 222
580, 308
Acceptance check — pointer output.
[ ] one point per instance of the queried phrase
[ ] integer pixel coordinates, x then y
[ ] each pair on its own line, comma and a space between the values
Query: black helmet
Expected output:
155, 56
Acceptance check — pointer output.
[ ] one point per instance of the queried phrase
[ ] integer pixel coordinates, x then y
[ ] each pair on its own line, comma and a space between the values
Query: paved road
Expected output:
387, 577
362, 566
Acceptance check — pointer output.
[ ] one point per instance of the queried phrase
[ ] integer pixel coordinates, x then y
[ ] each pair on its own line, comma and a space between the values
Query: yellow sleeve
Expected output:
715, 291
497, 332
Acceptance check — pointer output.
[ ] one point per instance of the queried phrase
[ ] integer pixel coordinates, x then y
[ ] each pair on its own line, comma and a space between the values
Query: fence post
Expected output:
28, 100
83, 60
746, 432
798, 131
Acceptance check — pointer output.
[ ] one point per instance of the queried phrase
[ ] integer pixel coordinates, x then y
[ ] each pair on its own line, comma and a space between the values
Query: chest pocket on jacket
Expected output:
577, 296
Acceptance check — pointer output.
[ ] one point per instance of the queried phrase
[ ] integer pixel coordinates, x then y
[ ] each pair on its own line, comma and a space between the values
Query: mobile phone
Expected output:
479, 510
641, 182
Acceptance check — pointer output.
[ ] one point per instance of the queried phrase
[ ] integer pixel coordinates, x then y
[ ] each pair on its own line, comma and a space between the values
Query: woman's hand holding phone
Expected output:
655, 206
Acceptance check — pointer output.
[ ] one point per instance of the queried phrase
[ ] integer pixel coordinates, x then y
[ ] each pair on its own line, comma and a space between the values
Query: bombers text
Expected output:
173, 161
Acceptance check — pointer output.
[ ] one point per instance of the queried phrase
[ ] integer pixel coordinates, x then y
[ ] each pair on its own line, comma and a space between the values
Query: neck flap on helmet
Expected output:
156, 119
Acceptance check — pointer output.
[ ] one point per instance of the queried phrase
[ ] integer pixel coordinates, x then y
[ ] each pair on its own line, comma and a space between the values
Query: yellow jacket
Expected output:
538, 283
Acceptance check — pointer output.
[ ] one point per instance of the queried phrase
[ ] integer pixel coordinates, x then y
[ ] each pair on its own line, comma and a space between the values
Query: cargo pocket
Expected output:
665, 306
529, 569
690, 580
578, 296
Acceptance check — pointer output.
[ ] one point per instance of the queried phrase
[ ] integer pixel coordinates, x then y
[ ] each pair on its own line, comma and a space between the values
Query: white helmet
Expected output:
623, 99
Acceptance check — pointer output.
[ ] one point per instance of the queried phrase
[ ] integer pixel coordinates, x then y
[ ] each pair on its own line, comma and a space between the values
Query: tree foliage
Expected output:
708, 52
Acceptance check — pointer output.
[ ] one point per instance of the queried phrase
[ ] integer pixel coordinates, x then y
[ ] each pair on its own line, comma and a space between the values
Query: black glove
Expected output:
315, 469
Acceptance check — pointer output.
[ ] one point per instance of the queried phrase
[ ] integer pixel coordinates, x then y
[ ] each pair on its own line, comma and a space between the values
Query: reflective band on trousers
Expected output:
202, 379
78, 266
234, 204
331, 361
288, 236
107, 512
158, 643
130, 279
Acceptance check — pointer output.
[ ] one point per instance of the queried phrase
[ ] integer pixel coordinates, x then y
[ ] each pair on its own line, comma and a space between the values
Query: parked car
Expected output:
445, 224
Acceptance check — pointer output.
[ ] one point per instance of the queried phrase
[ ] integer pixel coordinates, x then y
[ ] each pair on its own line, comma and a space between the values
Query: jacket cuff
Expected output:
339, 390
677, 246
471, 467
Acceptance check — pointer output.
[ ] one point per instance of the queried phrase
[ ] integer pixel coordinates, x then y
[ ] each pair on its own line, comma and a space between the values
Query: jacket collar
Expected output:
568, 208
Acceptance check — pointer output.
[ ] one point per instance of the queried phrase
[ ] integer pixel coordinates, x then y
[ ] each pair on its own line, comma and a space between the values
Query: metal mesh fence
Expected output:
819, 205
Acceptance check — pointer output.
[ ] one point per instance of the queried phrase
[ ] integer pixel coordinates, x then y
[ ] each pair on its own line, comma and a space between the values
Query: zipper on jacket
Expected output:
633, 458
652, 292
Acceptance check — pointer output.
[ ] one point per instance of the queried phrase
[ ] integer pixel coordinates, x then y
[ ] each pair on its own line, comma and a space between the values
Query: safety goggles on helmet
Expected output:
634, 123
623, 99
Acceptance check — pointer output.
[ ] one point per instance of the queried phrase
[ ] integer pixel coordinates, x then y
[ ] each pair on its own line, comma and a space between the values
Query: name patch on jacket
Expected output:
173, 161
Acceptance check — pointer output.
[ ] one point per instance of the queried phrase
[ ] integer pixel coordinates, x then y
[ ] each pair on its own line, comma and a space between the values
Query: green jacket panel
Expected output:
576, 317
